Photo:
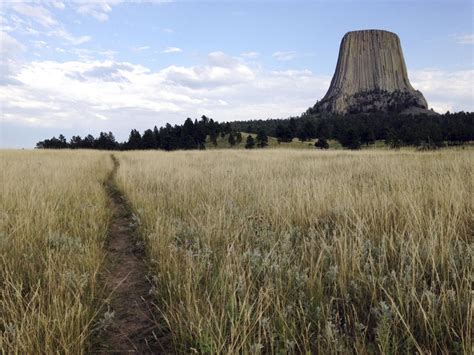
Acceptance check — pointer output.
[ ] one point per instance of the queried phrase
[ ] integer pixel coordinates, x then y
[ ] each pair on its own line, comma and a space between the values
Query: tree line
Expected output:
190, 135
351, 131
356, 130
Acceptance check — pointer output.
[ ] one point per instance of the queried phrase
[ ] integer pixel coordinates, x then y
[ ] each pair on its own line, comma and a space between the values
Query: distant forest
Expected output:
352, 131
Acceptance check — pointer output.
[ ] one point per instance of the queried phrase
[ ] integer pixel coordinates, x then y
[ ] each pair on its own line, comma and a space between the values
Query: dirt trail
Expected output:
132, 328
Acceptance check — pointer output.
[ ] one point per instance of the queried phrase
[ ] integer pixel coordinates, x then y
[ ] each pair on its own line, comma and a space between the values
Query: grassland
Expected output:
53, 223
263, 251
293, 251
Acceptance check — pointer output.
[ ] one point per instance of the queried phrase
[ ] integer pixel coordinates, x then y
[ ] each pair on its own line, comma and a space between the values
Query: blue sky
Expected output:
82, 67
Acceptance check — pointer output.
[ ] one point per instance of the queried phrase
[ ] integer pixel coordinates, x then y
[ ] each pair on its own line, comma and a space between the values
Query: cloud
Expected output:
57, 4
69, 38
221, 70
142, 48
39, 14
89, 95
250, 55
81, 93
284, 56
465, 39
10, 52
97, 9
167, 30
108, 71
42, 16
445, 90
172, 50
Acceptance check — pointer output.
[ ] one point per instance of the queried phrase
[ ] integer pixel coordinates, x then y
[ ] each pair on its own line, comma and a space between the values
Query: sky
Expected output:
80, 67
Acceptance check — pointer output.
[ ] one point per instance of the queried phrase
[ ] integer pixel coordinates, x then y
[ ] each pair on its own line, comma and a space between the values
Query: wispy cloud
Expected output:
142, 48
97, 9
49, 26
465, 39
172, 50
68, 37
250, 55
284, 55
39, 14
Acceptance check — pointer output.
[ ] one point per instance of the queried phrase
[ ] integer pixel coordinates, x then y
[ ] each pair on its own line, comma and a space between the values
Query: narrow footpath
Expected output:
131, 326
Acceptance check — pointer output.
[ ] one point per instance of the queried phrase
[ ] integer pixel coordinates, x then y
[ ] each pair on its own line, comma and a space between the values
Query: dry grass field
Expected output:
264, 251
296, 251
53, 221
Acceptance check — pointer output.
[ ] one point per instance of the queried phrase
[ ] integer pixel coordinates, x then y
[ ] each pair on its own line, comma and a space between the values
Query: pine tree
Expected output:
262, 139
213, 137
322, 143
238, 138
134, 140
156, 136
231, 139
148, 140
250, 144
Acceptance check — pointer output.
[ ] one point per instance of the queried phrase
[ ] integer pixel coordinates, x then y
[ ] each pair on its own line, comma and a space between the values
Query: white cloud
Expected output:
83, 93
39, 14
142, 48
69, 38
10, 52
172, 50
58, 4
284, 55
98, 9
445, 90
92, 95
250, 55
167, 30
465, 39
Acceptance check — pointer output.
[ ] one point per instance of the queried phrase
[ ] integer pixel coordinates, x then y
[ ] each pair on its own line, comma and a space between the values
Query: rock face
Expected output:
371, 76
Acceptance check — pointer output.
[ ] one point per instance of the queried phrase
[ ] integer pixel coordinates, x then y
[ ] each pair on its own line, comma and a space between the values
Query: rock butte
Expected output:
371, 76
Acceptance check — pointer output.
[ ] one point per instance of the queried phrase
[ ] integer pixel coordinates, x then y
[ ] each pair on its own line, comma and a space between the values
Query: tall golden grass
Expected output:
292, 251
53, 223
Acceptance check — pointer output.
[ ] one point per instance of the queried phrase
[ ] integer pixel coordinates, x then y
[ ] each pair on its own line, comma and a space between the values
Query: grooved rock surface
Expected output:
371, 76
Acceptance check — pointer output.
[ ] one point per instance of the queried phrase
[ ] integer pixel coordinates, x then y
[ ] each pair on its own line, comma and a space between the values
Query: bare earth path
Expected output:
133, 328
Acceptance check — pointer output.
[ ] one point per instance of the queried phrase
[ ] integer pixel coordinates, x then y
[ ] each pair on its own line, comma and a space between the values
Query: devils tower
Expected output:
371, 76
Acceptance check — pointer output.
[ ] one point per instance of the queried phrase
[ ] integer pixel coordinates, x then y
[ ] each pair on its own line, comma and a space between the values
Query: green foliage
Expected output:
322, 143
262, 139
250, 143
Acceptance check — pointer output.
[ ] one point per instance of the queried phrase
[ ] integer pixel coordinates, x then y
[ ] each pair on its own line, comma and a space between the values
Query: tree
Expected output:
283, 133
322, 143
393, 141
250, 144
156, 135
89, 142
106, 141
232, 140
302, 136
262, 139
292, 127
75, 142
309, 130
351, 139
213, 137
134, 140
367, 136
188, 143
238, 138
62, 142
148, 140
